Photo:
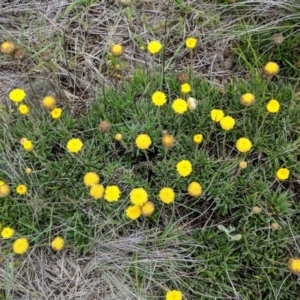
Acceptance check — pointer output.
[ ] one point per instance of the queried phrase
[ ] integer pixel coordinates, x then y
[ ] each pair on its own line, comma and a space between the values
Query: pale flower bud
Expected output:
192, 103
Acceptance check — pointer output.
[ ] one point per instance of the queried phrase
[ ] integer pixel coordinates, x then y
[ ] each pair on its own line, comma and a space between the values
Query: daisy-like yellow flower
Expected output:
7, 47
20, 246
191, 43
154, 47
148, 209
185, 88
91, 178
184, 168
247, 99
243, 145
27, 145
227, 123
198, 138
179, 106
74, 145
216, 115
273, 106
174, 295
192, 103
4, 190
97, 191
159, 98
23, 109
21, 189
17, 95
283, 174
168, 140
56, 113
49, 102
118, 137
7, 232
194, 189
112, 193
58, 243
116, 50
133, 212
294, 265
138, 196
143, 141
166, 195
271, 68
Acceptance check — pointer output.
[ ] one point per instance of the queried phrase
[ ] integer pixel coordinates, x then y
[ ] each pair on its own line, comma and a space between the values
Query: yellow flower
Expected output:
97, 191
28, 170
294, 265
159, 98
7, 47
74, 145
167, 140
133, 212
154, 47
247, 99
143, 141
138, 196
91, 178
243, 145
273, 106
184, 168
20, 246
23, 109
243, 164
166, 195
112, 193
17, 95
174, 295
192, 103
198, 138
148, 209
216, 115
21, 189
185, 88
56, 113
194, 189
191, 43
271, 68
282, 174
179, 106
27, 145
4, 190
58, 243
49, 102
227, 123
7, 232
118, 137
116, 50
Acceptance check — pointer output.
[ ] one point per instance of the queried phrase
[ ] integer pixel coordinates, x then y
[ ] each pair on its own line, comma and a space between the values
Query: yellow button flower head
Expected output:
91, 178
166, 195
7, 47
194, 189
23, 109
148, 209
112, 193
179, 106
243, 164
154, 47
17, 95
271, 68
184, 168
282, 174
191, 43
56, 113
159, 98
174, 295
198, 138
192, 103
116, 50
20, 246
27, 145
133, 212
227, 123
247, 99
21, 189
138, 196
294, 265
4, 189
7, 232
28, 170
97, 191
273, 106
49, 102
74, 145
185, 88
168, 140
58, 243
143, 141
216, 115
118, 137
243, 145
